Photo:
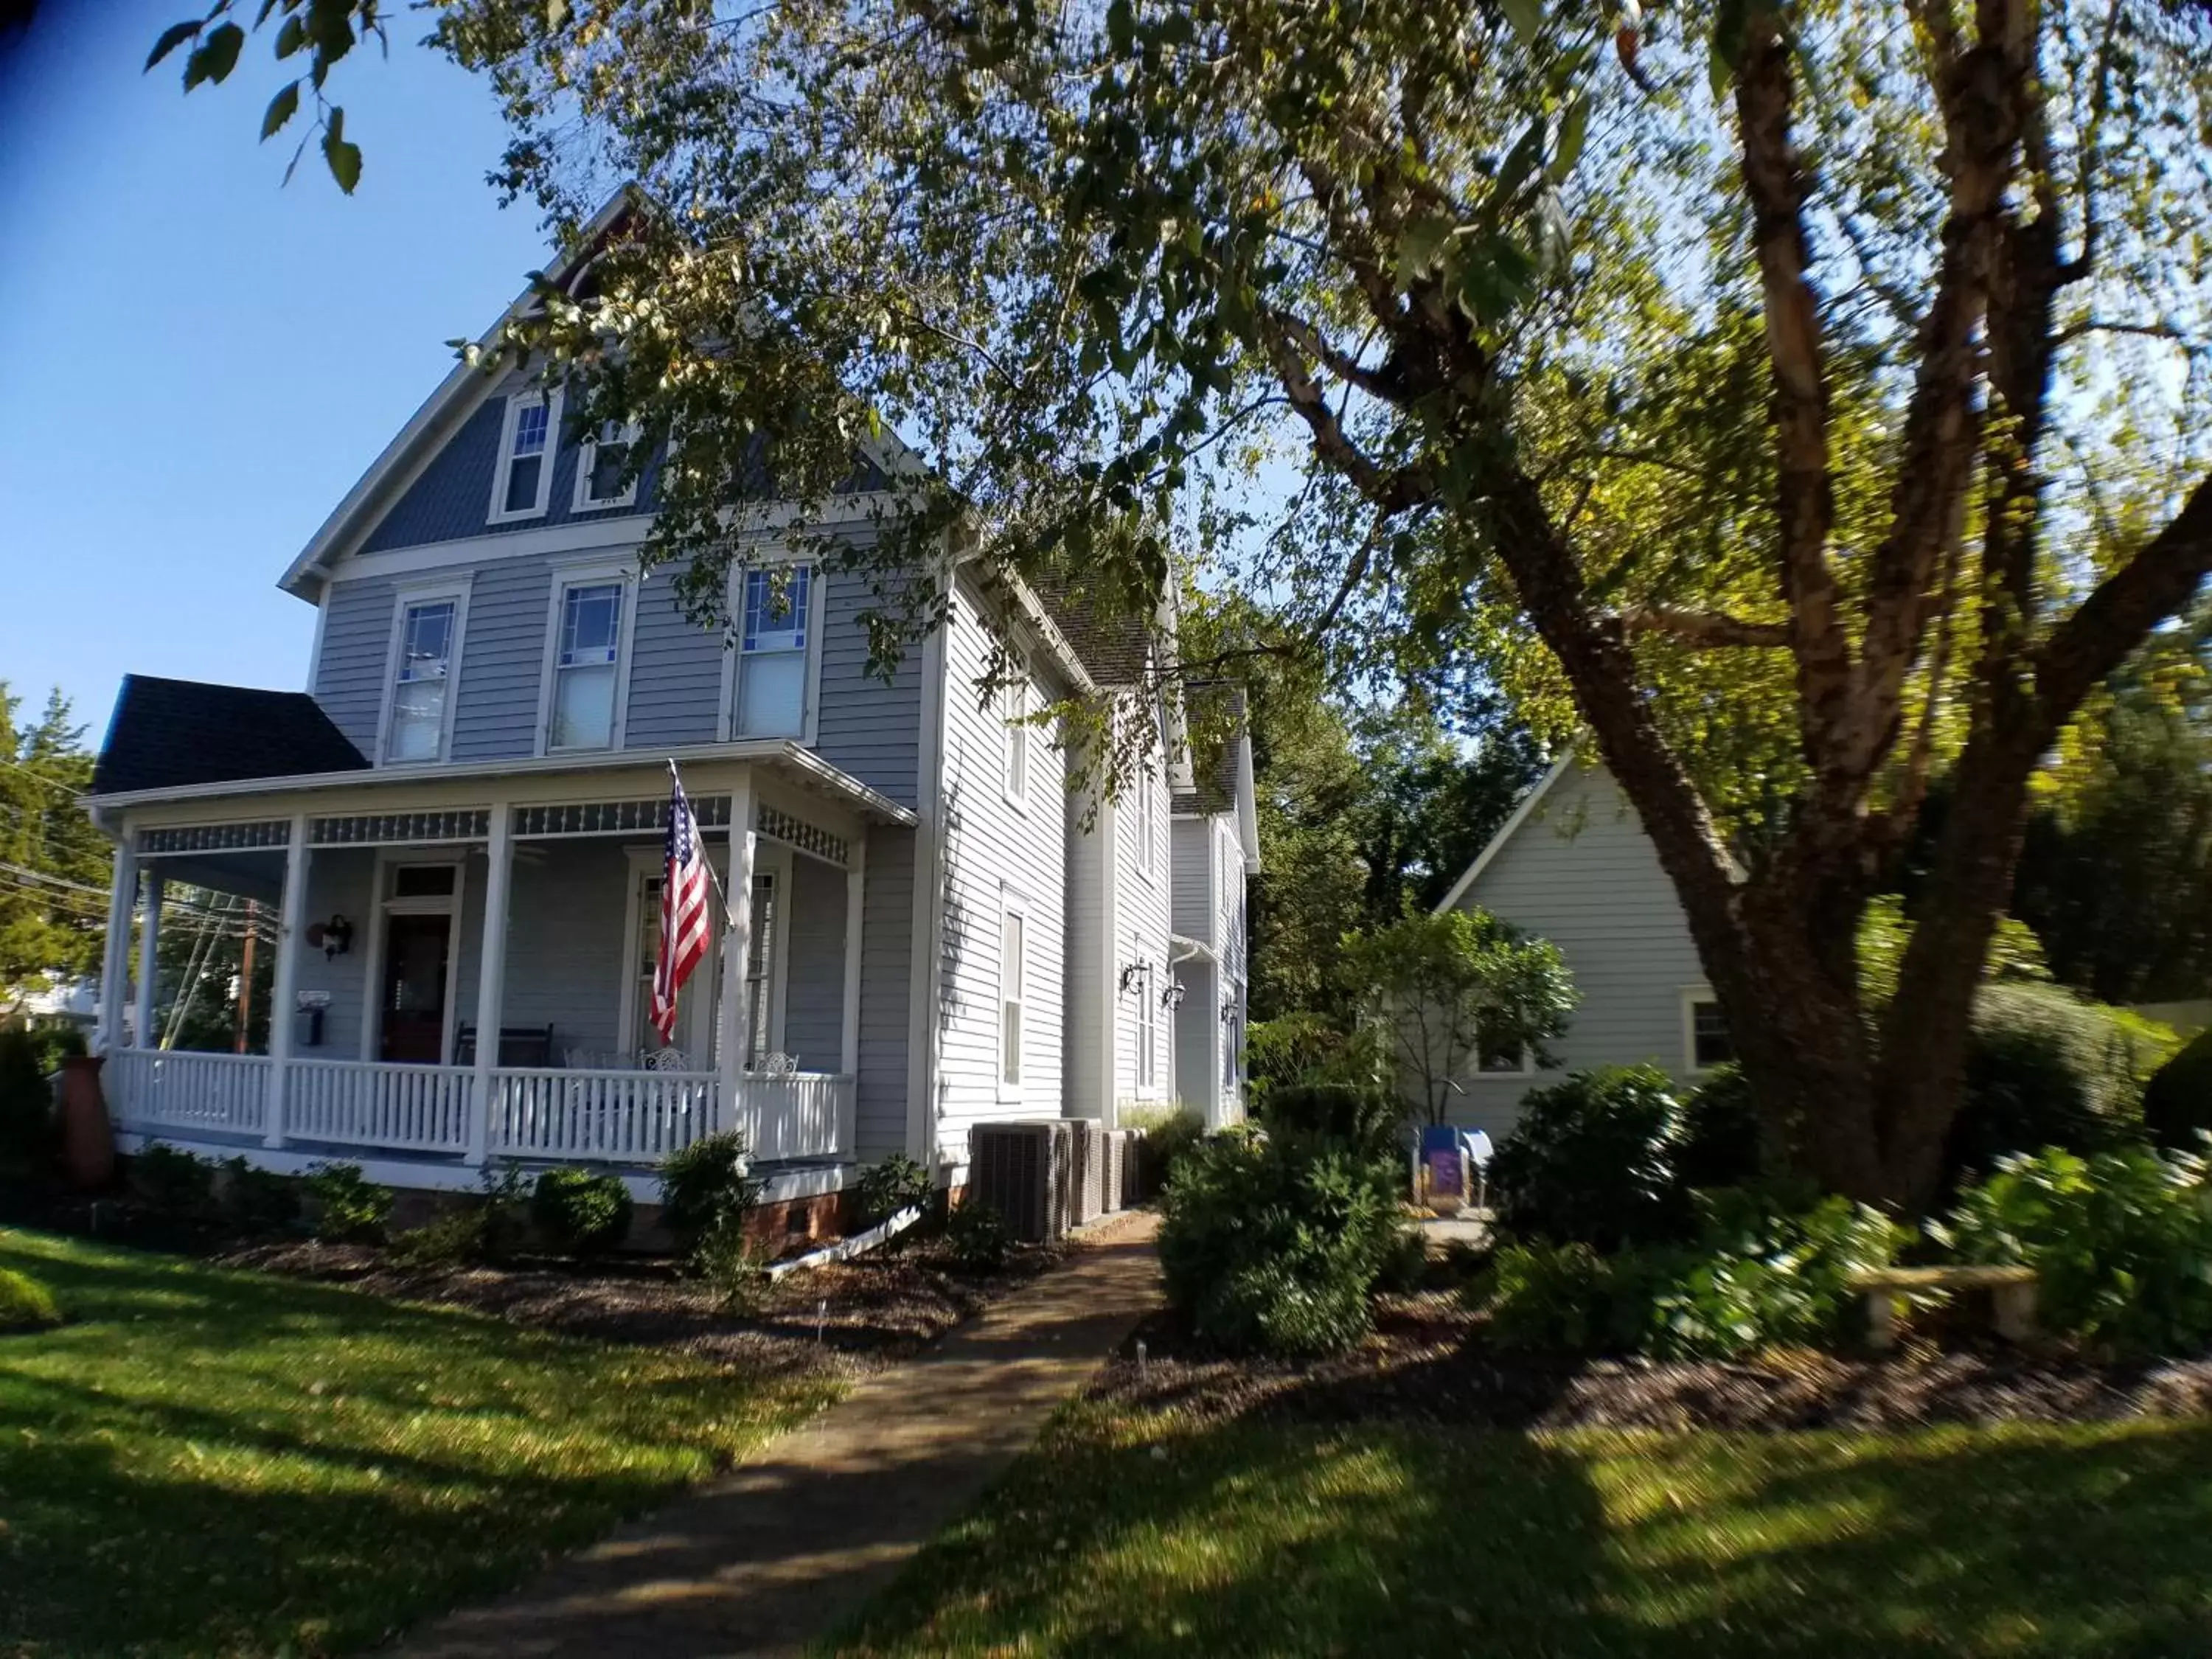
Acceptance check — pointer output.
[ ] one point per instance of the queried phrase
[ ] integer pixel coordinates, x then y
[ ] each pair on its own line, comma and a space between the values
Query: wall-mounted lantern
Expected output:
333, 937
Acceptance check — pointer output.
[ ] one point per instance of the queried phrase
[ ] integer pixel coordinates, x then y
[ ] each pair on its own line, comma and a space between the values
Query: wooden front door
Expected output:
416, 958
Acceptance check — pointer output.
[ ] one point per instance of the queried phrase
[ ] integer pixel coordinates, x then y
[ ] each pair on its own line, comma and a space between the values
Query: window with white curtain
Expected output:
1014, 992
772, 653
587, 666
1148, 1032
416, 728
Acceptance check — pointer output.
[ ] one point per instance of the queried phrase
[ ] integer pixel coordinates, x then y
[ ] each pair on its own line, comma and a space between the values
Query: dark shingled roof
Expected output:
165, 734
1215, 787
1114, 649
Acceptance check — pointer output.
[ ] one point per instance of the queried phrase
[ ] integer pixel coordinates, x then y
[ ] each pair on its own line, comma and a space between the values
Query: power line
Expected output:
30, 771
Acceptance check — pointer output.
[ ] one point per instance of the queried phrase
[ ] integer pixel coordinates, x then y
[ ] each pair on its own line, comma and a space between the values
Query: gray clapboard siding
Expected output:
814, 967
886, 984
340, 882
866, 727
565, 950
356, 651
502, 662
1580, 872
676, 672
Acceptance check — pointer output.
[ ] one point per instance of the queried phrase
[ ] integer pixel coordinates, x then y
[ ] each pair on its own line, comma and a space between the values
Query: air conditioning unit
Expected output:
1120, 1185
1086, 1192
1026, 1171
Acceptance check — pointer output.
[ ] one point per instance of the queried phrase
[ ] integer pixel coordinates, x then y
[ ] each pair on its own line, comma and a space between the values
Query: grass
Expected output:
1124, 1535
205, 1463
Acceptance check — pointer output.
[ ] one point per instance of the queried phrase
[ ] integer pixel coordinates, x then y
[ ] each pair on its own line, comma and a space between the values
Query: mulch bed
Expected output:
842, 1318
1427, 1364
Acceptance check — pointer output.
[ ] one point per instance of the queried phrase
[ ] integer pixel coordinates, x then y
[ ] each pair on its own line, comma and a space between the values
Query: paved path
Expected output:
770, 1555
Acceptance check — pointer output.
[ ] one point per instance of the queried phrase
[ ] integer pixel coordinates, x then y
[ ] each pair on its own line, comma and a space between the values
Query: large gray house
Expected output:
1573, 865
458, 826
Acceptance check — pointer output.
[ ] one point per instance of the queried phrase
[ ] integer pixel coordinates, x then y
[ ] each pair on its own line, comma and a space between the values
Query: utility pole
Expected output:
245, 985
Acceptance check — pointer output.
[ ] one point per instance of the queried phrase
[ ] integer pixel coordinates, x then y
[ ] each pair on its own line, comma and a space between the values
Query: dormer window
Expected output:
523, 483
600, 468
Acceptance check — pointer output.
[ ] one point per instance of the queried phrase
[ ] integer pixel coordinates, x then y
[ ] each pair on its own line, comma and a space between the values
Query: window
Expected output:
1147, 808
1148, 1032
772, 653
523, 482
1502, 1058
1708, 1039
586, 666
600, 468
423, 880
1014, 988
1232, 1046
421, 670
1016, 703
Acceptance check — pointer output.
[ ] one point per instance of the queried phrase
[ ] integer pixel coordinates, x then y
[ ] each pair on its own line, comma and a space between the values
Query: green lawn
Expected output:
1124, 1537
215, 1463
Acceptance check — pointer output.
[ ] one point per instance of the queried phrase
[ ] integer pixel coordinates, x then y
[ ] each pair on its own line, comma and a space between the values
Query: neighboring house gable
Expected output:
1574, 865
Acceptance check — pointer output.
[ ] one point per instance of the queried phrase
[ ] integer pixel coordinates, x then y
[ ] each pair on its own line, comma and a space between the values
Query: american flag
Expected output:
683, 881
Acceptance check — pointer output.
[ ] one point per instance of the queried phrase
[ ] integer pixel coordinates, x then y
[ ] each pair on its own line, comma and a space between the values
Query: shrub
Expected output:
580, 1214
348, 1208
895, 1183
1756, 1275
27, 1103
2177, 1104
1405, 1264
707, 1190
26, 1304
2121, 1244
1367, 1119
174, 1183
2047, 1068
1274, 1244
978, 1238
258, 1201
55, 1043
489, 1227
734, 1266
452, 1239
1168, 1133
1592, 1160
1722, 1141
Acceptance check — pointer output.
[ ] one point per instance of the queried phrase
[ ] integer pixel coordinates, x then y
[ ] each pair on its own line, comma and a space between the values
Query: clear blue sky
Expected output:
195, 364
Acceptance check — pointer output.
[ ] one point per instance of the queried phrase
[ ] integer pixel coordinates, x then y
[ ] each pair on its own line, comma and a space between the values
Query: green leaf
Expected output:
172, 37
1527, 17
343, 158
1417, 248
1574, 127
215, 57
556, 16
1730, 20
291, 35
282, 108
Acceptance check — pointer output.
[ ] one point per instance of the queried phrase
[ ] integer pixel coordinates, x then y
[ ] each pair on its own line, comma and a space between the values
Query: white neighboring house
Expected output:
1574, 865
458, 823
1216, 853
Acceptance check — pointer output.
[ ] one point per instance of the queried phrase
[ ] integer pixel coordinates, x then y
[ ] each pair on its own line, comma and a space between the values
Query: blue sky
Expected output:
195, 364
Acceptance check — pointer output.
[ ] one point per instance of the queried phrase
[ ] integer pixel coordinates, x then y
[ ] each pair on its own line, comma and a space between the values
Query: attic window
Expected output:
523, 482
600, 468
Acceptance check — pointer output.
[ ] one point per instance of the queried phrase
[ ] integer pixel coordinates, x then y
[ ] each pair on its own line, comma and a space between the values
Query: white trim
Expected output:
382, 907
1145, 1044
610, 537
589, 573
457, 588
587, 453
1013, 907
776, 752
810, 721
315, 651
926, 966
1691, 995
856, 902
503, 459
1527, 805
1148, 815
284, 980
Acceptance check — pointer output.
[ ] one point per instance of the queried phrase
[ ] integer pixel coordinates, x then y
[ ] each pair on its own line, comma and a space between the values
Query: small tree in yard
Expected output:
1455, 987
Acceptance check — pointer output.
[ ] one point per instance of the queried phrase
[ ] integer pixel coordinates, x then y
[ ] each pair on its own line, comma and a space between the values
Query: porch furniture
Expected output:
519, 1045
2011, 1291
669, 1060
777, 1065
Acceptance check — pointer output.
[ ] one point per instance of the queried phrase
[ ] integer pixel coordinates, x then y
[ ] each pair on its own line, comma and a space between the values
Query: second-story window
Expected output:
1147, 811
416, 730
600, 469
772, 653
1148, 1026
1015, 706
523, 482
586, 666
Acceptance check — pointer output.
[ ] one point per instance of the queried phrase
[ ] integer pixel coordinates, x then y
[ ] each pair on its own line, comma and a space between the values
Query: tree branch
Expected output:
1704, 629
1391, 490
2162, 578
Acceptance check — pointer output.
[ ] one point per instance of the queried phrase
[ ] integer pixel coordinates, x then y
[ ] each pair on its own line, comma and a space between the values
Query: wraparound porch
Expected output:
403, 932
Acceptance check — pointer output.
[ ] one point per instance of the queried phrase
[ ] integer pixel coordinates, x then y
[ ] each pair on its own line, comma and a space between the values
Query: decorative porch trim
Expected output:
780, 825
214, 837
385, 828
615, 817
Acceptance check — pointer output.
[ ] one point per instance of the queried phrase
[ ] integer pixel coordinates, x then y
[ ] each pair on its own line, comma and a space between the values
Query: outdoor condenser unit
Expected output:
1024, 1170
1087, 1182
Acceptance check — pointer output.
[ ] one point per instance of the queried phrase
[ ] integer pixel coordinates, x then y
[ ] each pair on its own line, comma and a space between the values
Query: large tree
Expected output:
1741, 396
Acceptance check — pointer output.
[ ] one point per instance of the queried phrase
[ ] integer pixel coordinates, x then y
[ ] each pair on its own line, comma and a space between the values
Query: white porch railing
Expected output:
360, 1102
806, 1115
180, 1089
540, 1114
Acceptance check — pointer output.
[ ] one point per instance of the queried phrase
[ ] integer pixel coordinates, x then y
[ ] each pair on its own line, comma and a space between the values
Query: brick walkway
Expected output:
767, 1558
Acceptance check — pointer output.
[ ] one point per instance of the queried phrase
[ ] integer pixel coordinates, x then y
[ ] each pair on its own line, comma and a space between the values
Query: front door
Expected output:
415, 952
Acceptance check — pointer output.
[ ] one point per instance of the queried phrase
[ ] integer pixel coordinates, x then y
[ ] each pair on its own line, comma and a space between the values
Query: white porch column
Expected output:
115, 955
151, 888
283, 993
737, 945
491, 976
856, 882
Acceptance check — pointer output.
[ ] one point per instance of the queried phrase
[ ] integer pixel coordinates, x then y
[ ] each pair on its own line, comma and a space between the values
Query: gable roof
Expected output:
1115, 645
1214, 790
167, 732
1520, 813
